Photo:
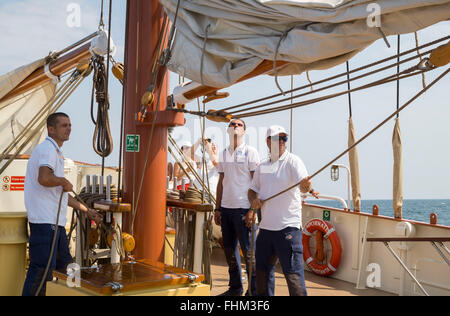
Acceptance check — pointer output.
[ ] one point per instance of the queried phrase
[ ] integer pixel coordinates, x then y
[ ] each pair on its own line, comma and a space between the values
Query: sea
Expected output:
417, 210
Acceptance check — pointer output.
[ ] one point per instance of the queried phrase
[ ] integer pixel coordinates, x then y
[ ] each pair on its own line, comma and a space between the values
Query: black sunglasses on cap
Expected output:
278, 138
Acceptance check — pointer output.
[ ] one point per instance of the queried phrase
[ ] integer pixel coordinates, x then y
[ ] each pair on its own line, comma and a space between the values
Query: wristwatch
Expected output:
311, 191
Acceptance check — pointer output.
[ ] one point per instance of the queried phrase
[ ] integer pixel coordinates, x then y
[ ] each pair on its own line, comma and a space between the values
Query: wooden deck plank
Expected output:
315, 285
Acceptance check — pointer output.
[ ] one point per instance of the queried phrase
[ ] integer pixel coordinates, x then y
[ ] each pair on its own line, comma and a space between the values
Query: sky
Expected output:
32, 28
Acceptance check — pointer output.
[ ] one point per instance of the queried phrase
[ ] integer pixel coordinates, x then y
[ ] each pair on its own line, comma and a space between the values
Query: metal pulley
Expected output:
128, 241
147, 99
118, 71
218, 116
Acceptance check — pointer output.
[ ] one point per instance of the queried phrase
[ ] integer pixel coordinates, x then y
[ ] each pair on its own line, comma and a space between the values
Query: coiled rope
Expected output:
102, 140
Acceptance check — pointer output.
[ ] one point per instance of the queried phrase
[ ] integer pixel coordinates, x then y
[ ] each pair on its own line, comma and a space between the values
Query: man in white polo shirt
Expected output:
237, 164
44, 183
280, 232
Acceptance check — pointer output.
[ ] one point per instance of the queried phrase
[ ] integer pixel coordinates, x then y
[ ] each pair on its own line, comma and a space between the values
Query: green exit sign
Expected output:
133, 142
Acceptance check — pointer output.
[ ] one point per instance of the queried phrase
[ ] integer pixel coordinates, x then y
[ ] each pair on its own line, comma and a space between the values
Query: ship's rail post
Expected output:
433, 240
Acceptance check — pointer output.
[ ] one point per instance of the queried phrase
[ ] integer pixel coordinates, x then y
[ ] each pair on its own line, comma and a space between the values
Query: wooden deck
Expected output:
315, 285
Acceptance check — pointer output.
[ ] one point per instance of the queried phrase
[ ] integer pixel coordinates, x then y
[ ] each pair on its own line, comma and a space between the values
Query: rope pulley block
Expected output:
129, 243
147, 99
218, 116
440, 56
118, 71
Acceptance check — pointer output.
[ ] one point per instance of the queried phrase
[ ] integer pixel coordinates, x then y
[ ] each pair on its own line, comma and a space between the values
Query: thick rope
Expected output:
336, 84
367, 135
275, 72
327, 97
345, 73
203, 54
102, 140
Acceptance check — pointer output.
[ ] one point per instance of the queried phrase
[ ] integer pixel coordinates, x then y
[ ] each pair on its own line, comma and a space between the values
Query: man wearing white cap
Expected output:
237, 164
280, 232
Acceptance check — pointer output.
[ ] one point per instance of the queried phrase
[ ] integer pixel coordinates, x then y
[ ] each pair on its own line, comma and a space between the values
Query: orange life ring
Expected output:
336, 249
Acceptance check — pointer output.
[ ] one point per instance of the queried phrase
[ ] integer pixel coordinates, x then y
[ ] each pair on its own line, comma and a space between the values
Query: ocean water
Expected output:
418, 210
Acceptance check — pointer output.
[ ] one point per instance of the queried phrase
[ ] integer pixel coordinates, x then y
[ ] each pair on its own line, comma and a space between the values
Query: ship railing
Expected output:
327, 197
432, 240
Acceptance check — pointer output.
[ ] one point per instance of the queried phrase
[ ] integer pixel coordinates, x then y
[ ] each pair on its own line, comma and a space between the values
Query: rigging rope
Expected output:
39, 120
102, 139
331, 85
398, 71
349, 88
418, 53
367, 135
319, 99
343, 74
275, 72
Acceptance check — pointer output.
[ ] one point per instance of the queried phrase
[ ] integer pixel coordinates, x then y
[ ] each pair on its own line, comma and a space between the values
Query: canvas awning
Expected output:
233, 37
17, 112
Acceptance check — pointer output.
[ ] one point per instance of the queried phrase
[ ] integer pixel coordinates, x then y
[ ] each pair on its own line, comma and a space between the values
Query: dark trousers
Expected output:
234, 230
41, 237
286, 245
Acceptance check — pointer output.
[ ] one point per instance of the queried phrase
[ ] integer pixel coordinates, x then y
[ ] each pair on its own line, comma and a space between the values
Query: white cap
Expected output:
187, 144
275, 130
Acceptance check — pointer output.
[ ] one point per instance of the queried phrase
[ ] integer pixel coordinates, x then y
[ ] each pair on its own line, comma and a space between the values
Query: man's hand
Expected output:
256, 204
250, 217
66, 185
217, 218
305, 185
315, 194
95, 216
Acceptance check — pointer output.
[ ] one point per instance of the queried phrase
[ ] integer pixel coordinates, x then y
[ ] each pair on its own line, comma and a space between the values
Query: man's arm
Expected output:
91, 213
219, 192
255, 203
48, 179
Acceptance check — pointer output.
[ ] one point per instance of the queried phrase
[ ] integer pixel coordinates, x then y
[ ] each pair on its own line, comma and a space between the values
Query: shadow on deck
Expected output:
315, 285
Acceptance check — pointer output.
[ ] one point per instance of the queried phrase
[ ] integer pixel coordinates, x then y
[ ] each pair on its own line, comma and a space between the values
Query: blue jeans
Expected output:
285, 244
41, 237
234, 230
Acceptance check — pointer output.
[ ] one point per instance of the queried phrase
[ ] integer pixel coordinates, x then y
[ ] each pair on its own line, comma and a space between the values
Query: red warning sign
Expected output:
17, 179
5, 187
6, 179
17, 187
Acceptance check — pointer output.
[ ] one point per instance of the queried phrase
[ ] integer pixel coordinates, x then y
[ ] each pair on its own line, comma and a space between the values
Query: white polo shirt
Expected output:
236, 167
271, 178
42, 202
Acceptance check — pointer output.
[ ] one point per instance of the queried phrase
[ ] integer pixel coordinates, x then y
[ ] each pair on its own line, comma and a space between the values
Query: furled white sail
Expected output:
17, 112
220, 41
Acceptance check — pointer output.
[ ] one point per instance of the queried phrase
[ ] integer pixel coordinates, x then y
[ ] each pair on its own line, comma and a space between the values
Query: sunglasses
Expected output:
236, 124
278, 138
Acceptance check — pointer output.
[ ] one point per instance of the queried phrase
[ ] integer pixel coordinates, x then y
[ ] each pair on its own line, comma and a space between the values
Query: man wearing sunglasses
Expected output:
280, 232
237, 163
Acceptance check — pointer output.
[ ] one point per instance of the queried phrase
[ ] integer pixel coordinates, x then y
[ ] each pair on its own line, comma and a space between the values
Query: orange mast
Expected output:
144, 23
